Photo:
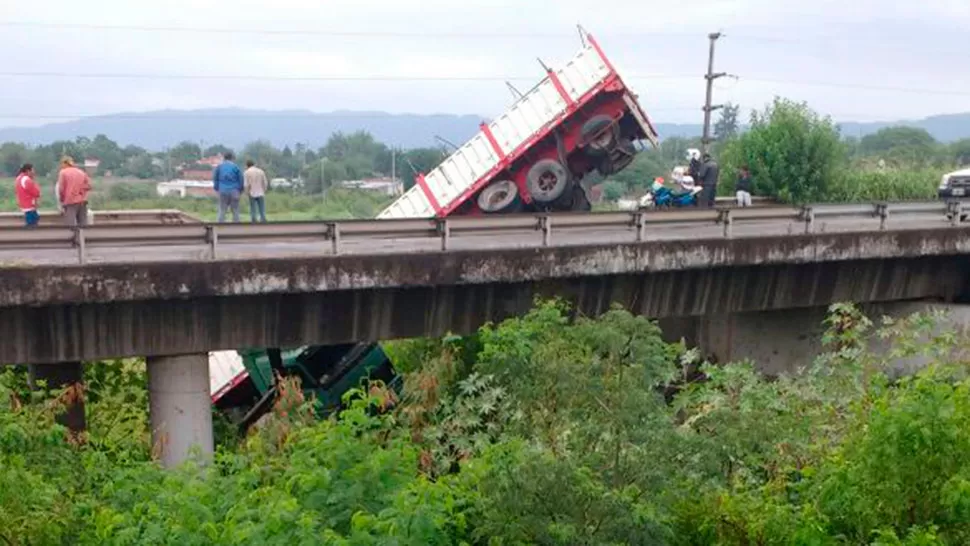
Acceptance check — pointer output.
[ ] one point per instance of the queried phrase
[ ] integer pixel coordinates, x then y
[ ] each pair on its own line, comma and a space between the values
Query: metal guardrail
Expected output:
336, 232
98, 217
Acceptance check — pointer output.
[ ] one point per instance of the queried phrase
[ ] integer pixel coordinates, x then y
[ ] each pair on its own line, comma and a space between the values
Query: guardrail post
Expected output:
79, 242
333, 233
444, 230
954, 212
882, 211
724, 218
545, 224
212, 238
808, 216
641, 226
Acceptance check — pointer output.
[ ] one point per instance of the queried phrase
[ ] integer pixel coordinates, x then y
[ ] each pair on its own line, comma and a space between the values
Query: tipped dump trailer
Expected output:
581, 118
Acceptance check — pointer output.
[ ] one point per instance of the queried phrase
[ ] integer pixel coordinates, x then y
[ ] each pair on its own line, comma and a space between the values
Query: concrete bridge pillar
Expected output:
58, 376
180, 406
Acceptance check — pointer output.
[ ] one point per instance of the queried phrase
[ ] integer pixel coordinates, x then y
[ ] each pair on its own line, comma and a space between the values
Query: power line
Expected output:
250, 115
820, 40
485, 78
861, 86
252, 77
305, 32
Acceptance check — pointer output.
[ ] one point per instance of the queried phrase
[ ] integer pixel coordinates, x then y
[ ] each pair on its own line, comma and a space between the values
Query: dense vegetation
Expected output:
797, 155
544, 429
343, 157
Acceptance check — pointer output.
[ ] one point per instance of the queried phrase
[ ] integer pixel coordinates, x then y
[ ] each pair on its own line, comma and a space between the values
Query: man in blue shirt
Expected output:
227, 180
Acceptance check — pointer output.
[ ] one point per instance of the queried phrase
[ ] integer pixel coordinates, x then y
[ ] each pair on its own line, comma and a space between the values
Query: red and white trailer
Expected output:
580, 118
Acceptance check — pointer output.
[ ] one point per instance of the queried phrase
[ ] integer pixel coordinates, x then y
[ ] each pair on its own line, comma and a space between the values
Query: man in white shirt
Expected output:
256, 186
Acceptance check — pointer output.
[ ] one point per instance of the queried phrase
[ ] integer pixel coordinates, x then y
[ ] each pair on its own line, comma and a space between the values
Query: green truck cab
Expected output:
244, 384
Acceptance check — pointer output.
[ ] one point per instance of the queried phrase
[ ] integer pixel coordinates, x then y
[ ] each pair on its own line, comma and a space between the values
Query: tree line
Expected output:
796, 154
343, 157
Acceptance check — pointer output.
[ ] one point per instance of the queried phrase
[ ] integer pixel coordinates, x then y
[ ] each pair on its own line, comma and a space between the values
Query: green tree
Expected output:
107, 151
417, 161
794, 153
907, 145
264, 154
726, 126
12, 156
960, 152
613, 190
185, 153
217, 149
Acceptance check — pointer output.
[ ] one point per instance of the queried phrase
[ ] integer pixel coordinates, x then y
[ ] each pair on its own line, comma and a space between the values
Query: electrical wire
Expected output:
393, 78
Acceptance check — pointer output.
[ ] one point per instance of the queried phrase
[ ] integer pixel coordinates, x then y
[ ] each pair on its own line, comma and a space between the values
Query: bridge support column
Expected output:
180, 406
58, 376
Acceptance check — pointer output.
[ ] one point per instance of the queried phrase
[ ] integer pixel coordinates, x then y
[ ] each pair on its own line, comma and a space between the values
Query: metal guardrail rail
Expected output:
336, 232
99, 217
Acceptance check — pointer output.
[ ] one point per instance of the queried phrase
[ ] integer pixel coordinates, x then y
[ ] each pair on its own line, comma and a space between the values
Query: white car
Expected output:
955, 184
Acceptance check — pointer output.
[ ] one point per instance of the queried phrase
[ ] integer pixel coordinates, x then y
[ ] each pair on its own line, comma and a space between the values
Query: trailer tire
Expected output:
500, 197
546, 181
600, 142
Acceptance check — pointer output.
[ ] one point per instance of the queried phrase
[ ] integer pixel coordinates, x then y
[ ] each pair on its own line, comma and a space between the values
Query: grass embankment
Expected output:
336, 203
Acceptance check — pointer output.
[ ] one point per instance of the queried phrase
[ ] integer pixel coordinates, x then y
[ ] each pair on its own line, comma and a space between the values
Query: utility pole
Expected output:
710, 77
393, 164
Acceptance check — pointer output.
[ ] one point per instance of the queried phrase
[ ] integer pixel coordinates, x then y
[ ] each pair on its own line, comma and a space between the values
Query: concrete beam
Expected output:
108, 283
785, 340
180, 407
159, 327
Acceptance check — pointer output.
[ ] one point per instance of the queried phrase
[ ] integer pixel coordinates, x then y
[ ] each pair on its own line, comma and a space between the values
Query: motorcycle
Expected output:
660, 196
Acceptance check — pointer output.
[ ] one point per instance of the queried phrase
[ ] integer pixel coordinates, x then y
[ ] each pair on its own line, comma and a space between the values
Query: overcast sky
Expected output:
853, 59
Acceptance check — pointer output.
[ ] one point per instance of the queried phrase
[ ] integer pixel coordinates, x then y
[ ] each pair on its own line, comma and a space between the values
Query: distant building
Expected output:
387, 186
185, 188
212, 161
91, 165
196, 174
283, 183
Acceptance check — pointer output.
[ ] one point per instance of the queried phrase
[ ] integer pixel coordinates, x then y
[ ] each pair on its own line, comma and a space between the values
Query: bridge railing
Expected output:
334, 234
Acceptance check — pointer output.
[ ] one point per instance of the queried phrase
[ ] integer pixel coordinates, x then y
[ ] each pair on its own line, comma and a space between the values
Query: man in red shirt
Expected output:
73, 186
28, 194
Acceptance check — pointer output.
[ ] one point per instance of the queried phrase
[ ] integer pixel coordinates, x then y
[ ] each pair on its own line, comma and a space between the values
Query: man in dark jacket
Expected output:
227, 181
744, 187
708, 174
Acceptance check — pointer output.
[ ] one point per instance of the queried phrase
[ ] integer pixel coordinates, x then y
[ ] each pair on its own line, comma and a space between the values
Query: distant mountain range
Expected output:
236, 127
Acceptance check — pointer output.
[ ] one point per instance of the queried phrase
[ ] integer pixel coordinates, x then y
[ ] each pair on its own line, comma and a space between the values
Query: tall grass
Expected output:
335, 203
884, 185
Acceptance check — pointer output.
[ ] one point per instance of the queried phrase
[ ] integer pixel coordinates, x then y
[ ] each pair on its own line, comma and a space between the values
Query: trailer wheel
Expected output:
600, 134
547, 180
498, 197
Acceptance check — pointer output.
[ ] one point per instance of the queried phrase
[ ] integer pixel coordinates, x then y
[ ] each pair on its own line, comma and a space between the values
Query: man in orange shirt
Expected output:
73, 186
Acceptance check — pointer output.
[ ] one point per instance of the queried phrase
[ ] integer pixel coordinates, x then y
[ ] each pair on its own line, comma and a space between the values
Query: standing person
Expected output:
708, 173
256, 185
73, 186
744, 187
227, 180
28, 194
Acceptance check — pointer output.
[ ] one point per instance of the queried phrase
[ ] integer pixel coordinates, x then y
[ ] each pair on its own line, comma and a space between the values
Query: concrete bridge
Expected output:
104, 297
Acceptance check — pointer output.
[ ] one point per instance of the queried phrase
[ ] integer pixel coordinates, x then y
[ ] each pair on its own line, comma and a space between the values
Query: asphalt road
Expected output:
509, 239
